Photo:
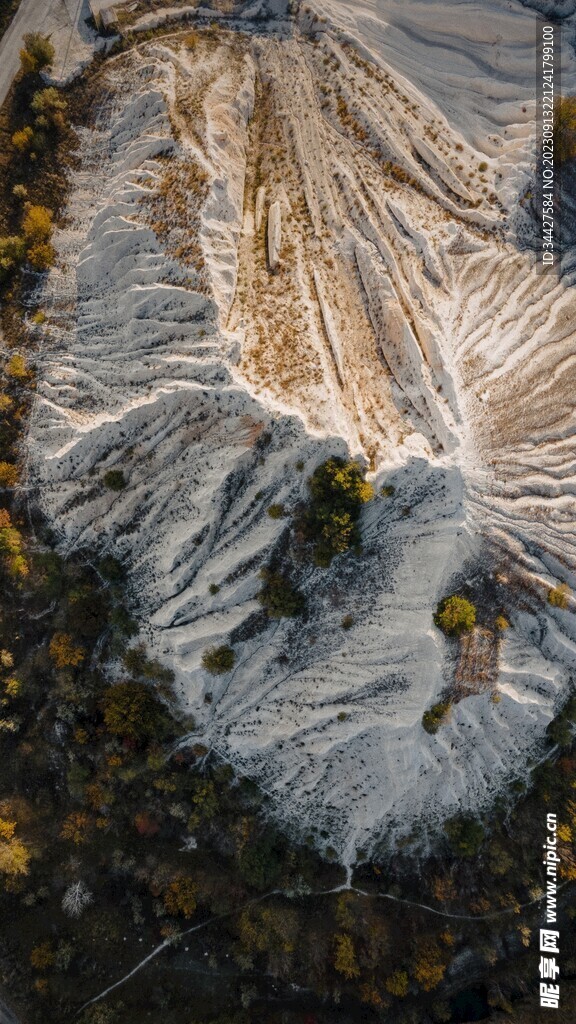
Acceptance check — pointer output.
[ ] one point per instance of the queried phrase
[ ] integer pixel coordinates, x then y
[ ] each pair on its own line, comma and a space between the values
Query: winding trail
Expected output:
345, 887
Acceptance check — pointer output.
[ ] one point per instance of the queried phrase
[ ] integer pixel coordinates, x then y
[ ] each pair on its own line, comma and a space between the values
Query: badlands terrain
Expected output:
299, 234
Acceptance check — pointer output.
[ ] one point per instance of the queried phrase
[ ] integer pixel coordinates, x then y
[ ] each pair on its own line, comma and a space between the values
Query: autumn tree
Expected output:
180, 896
14, 857
49, 106
428, 968
64, 652
11, 547
37, 53
76, 827
345, 960
42, 956
397, 984
8, 474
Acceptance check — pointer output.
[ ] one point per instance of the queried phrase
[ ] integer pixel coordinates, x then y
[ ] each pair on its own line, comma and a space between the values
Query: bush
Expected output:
559, 596
338, 491
276, 511
347, 622
37, 53
501, 623
214, 589
387, 491
279, 597
433, 718
565, 128
114, 480
218, 660
465, 834
455, 615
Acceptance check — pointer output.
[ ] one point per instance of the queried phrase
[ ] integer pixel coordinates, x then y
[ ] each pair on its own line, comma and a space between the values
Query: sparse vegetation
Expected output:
455, 615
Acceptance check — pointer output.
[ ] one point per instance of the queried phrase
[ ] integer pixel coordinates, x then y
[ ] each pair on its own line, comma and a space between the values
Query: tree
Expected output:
180, 897
565, 128
132, 711
455, 615
37, 53
345, 960
12, 254
397, 984
279, 597
428, 966
41, 256
14, 857
42, 956
218, 660
76, 898
76, 827
8, 474
37, 224
465, 834
49, 107
338, 490
64, 653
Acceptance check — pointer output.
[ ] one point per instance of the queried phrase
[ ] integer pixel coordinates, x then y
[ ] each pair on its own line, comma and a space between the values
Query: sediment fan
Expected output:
404, 323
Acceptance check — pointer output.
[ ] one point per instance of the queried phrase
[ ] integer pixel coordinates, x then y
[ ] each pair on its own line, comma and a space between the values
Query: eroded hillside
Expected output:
393, 318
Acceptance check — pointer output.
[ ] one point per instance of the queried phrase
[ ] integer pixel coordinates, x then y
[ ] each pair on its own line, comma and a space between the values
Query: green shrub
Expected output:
114, 479
279, 597
218, 660
483, 167
455, 615
37, 53
276, 511
347, 622
214, 588
433, 718
387, 491
338, 490
465, 834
